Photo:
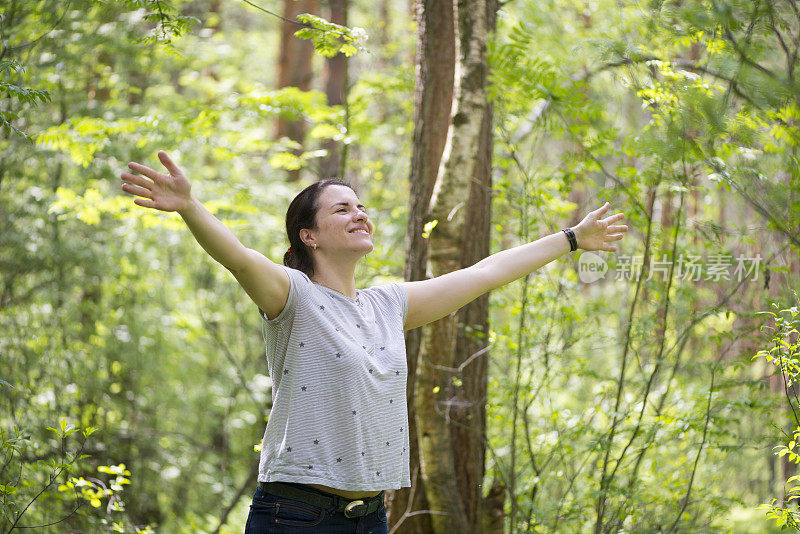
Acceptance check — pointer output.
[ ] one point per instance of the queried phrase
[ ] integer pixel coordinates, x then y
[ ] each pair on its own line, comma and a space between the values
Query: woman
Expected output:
337, 435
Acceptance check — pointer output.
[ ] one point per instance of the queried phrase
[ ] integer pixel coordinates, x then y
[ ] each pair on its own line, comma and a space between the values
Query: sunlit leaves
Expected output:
331, 39
291, 162
166, 23
22, 95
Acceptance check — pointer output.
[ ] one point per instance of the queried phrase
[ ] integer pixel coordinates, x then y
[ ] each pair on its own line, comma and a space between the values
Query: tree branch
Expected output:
604, 481
776, 31
743, 56
697, 458
303, 24
30, 43
249, 481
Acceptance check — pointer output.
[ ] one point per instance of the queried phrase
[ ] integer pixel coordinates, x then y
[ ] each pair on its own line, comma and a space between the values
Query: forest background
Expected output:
645, 390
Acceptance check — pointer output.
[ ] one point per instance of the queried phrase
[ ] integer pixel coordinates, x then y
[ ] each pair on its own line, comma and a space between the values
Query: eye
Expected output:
340, 209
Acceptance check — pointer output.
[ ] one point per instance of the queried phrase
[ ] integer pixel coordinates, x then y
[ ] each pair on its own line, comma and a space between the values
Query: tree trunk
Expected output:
433, 101
294, 67
336, 91
469, 418
451, 404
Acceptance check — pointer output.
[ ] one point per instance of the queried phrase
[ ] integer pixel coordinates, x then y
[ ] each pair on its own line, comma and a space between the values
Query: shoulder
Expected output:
391, 297
297, 276
299, 289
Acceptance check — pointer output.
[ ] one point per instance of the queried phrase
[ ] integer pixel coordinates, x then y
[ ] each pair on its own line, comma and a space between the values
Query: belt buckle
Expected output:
353, 509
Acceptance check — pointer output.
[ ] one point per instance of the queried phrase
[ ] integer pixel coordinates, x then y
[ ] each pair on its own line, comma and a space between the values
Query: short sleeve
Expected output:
298, 287
403, 298
394, 300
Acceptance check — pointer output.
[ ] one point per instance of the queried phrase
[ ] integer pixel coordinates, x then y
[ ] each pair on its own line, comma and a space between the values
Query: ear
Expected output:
307, 237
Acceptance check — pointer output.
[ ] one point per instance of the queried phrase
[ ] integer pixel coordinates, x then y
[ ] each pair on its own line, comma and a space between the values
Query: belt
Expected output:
350, 508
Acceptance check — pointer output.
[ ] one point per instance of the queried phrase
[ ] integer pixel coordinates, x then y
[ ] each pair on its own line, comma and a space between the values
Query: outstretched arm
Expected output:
264, 281
429, 300
172, 192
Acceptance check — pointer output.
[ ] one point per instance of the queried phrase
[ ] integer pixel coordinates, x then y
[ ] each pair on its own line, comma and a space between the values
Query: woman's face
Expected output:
342, 223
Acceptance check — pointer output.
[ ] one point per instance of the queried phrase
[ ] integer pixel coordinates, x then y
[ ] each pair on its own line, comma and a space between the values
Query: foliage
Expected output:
20, 94
783, 330
627, 404
616, 412
86, 329
330, 39
29, 496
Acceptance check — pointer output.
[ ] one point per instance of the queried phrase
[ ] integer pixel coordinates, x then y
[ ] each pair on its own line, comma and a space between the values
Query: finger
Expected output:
619, 228
138, 191
137, 180
602, 209
614, 218
613, 237
141, 169
168, 163
609, 248
144, 203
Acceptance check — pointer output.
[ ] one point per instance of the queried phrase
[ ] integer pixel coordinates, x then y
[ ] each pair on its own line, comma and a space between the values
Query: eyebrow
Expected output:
348, 204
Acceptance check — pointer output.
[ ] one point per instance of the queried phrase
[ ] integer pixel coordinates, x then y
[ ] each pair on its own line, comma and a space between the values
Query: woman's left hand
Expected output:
594, 233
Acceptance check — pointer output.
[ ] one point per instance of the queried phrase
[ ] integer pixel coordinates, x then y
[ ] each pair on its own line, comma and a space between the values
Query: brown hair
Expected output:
302, 213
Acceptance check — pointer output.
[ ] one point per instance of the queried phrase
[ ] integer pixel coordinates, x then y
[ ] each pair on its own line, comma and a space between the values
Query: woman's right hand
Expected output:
165, 192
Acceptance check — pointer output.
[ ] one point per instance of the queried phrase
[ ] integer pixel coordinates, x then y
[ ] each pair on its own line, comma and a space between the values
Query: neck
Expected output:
338, 275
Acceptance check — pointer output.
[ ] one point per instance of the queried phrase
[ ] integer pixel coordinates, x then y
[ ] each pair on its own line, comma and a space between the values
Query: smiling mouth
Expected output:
359, 231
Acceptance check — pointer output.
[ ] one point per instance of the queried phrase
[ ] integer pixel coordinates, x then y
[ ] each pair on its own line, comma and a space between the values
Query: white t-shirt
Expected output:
338, 371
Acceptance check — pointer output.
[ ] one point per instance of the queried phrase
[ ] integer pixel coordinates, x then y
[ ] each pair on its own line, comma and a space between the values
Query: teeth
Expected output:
360, 232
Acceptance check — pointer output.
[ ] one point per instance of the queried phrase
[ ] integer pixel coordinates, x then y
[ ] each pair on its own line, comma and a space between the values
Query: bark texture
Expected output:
336, 91
435, 67
294, 67
451, 399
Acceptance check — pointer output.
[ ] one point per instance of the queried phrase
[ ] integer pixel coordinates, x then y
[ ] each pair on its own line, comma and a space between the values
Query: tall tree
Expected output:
336, 91
294, 67
435, 59
451, 392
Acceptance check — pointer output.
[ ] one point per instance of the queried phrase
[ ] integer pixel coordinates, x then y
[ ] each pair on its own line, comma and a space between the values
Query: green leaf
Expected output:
285, 160
429, 226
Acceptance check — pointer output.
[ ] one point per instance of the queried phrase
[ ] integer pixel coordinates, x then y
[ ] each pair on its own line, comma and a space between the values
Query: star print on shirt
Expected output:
377, 473
358, 325
303, 388
383, 348
316, 442
321, 307
363, 453
387, 443
302, 344
391, 401
354, 412
288, 449
370, 371
286, 371
338, 354
397, 373
338, 460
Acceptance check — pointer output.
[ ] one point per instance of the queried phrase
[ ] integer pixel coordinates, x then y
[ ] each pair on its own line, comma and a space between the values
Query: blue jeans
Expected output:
270, 514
